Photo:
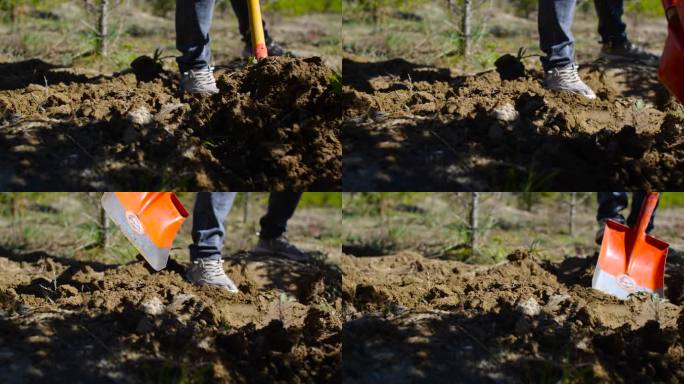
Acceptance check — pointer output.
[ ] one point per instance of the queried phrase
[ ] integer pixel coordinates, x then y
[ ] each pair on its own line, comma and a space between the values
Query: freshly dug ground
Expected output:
410, 126
275, 125
411, 319
65, 321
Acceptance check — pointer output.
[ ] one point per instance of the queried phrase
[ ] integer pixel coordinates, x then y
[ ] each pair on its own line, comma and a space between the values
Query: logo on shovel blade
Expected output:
134, 223
627, 283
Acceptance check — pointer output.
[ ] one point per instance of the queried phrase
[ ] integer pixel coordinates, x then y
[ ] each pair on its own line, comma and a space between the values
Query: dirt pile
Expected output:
424, 126
88, 322
275, 125
523, 320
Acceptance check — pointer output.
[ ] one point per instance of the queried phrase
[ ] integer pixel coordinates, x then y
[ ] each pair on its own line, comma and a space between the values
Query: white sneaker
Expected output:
566, 79
210, 272
200, 81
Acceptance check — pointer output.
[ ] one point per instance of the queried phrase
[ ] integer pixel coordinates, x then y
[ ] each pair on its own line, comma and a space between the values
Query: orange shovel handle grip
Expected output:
647, 209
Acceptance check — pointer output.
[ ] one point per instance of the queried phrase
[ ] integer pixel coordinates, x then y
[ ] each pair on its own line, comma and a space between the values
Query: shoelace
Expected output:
213, 268
205, 77
569, 74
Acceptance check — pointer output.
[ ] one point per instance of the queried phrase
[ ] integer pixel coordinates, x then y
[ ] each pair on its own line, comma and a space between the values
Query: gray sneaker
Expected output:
200, 81
281, 247
628, 51
273, 48
210, 272
566, 79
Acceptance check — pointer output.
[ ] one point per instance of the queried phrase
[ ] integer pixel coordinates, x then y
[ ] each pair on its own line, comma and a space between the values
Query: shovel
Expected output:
672, 60
630, 260
150, 220
256, 26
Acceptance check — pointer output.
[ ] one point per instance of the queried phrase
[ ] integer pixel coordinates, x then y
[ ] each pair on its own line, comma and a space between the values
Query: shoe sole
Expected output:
570, 91
187, 277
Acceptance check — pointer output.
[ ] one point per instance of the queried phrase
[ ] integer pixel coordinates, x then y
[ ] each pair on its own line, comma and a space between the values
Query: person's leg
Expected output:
208, 231
555, 39
193, 21
554, 21
281, 207
637, 202
211, 209
272, 239
610, 205
615, 44
610, 25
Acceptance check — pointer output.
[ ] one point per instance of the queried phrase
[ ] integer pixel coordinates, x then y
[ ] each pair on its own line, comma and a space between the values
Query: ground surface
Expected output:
524, 320
420, 126
420, 117
63, 320
275, 125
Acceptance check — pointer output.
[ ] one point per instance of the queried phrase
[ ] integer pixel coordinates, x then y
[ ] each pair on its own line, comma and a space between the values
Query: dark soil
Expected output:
274, 126
412, 319
414, 127
65, 321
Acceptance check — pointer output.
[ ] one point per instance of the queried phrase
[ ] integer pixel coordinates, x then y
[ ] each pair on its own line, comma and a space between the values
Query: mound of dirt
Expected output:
67, 321
523, 320
422, 126
275, 125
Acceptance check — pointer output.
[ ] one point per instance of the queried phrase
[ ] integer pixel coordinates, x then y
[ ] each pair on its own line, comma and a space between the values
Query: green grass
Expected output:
651, 8
299, 7
672, 199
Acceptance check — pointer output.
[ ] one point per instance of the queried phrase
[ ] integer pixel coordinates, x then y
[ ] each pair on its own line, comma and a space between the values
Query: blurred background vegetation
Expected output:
432, 32
70, 225
67, 32
438, 225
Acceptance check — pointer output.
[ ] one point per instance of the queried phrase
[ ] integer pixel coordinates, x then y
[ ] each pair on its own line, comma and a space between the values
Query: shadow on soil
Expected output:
21, 74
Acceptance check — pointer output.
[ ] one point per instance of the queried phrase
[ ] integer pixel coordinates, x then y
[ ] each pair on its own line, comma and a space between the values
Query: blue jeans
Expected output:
554, 23
611, 203
193, 22
212, 208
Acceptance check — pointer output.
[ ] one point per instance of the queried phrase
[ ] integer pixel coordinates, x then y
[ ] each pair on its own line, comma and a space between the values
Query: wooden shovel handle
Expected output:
256, 27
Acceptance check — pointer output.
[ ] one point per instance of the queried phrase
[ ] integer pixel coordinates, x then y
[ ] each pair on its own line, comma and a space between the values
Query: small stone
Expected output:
505, 113
139, 116
529, 307
152, 306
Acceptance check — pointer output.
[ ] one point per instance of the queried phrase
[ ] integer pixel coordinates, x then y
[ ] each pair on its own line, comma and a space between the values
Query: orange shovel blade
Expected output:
628, 263
150, 221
